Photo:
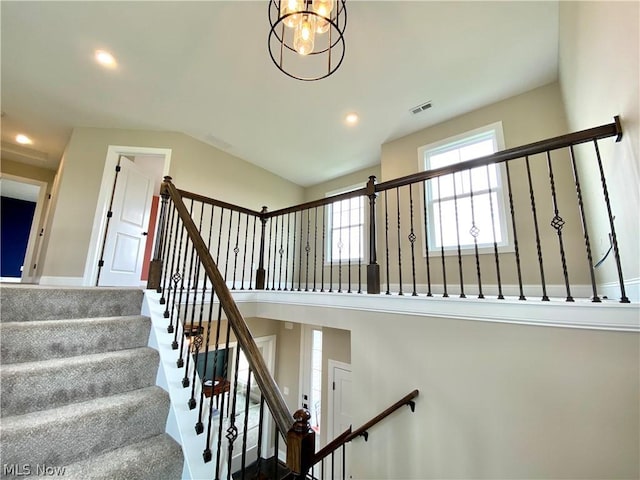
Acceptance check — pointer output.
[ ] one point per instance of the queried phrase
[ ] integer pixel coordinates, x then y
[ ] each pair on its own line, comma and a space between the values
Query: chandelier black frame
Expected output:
329, 48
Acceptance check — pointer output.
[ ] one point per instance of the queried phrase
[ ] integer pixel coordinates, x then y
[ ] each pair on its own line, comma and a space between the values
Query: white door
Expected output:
127, 230
340, 412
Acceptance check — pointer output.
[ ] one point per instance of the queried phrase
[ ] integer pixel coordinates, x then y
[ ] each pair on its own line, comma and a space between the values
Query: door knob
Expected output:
144, 233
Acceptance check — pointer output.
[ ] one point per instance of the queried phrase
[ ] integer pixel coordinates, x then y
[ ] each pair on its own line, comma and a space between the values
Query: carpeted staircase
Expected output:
78, 394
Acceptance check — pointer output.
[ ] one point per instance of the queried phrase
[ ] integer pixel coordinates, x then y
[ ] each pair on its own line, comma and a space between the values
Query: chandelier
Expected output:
306, 41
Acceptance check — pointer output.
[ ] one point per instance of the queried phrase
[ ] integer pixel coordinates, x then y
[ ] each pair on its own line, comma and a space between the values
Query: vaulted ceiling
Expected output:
203, 68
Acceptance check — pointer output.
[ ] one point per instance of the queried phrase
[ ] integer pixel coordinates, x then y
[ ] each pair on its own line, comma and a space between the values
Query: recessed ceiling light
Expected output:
352, 118
105, 58
23, 139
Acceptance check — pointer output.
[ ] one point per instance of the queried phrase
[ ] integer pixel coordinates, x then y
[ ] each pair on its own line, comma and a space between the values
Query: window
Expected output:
467, 206
346, 226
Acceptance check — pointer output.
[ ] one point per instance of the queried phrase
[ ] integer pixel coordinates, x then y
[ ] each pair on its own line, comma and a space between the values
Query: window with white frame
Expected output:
466, 207
345, 227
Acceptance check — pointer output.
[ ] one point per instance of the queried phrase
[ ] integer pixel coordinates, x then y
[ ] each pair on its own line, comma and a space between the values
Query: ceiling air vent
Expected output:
420, 108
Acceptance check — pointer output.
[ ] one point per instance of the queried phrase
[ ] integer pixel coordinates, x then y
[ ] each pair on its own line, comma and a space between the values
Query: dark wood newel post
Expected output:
373, 269
301, 444
155, 266
261, 273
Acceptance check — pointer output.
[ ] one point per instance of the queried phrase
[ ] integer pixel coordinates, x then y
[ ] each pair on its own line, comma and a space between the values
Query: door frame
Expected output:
106, 188
34, 241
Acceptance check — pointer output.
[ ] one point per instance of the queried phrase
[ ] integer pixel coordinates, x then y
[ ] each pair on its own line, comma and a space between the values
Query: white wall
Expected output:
599, 78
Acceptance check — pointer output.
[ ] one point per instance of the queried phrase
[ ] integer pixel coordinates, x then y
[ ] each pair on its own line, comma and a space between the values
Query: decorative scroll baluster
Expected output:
226, 262
260, 274
301, 236
386, 239
180, 361
307, 249
166, 270
444, 270
315, 247
178, 278
236, 250
614, 237
244, 255
545, 298
455, 207
493, 231
400, 292
331, 250
515, 232
412, 239
426, 239
475, 231
557, 222
274, 221
232, 430
293, 252
595, 298
246, 423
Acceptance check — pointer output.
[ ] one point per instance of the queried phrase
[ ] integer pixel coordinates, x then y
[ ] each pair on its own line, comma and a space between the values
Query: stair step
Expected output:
33, 386
23, 303
47, 339
77, 432
156, 458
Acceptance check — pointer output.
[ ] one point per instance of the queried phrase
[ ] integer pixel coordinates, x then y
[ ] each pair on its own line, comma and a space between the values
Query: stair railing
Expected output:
318, 470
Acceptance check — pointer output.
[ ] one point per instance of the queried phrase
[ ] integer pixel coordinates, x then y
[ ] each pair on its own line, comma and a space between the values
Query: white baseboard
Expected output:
612, 290
10, 279
62, 281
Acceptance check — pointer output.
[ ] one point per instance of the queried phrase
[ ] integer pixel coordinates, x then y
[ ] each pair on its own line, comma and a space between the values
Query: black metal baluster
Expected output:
281, 253
349, 248
307, 249
360, 243
315, 247
331, 253
386, 240
207, 452
455, 207
236, 250
286, 270
614, 237
412, 240
275, 448
557, 222
253, 250
260, 433
400, 292
232, 430
324, 247
344, 462
444, 270
340, 246
180, 361
266, 282
244, 255
178, 278
475, 231
200, 425
426, 238
246, 423
222, 405
515, 233
545, 298
161, 244
301, 237
587, 242
293, 252
493, 231
226, 262
274, 220
166, 269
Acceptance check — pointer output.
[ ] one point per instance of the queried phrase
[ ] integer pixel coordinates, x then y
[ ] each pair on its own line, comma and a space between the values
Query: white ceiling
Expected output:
203, 68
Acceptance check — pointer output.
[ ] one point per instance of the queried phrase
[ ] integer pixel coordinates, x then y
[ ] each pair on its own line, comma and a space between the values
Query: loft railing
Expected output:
388, 237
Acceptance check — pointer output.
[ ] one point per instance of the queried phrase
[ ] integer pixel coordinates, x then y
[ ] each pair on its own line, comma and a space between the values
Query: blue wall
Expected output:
15, 224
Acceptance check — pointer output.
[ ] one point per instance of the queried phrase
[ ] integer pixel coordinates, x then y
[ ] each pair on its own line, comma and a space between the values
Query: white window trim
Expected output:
328, 215
504, 247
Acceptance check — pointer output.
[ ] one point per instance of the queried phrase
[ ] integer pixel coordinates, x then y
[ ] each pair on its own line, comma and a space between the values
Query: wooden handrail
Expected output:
562, 141
268, 387
349, 434
318, 203
218, 203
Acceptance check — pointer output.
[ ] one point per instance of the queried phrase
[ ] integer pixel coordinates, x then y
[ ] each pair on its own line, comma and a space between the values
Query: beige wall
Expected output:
599, 75
336, 345
195, 167
28, 171
359, 178
532, 116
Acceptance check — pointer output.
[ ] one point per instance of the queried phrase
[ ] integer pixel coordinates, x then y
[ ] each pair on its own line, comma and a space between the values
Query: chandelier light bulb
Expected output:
291, 6
304, 35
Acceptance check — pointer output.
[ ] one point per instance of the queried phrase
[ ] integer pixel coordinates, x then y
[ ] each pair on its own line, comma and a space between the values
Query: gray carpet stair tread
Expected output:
156, 458
23, 303
54, 383
48, 339
80, 431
